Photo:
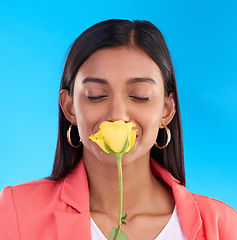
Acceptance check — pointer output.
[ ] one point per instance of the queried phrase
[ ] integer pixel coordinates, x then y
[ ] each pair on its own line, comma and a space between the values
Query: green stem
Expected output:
119, 163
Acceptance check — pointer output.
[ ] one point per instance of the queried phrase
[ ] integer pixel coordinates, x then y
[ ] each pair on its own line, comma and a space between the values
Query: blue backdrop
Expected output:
201, 36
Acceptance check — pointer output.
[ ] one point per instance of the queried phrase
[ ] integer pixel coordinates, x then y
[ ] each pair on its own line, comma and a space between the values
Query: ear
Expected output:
169, 110
66, 104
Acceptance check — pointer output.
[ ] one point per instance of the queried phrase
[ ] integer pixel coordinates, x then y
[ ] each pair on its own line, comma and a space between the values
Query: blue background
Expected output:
202, 38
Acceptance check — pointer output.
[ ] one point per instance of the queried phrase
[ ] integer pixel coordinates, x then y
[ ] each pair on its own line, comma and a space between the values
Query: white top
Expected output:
172, 230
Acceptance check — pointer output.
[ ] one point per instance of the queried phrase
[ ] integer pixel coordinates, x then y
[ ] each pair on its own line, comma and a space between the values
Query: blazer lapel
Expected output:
187, 208
74, 223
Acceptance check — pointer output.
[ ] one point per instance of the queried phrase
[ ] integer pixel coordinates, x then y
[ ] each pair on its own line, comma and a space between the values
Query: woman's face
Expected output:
120, 84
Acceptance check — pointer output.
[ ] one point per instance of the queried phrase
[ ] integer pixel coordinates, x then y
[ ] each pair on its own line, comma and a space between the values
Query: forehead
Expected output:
120, 62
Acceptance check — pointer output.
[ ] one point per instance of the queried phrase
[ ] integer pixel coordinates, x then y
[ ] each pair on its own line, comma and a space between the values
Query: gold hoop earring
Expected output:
69, 137
168, 138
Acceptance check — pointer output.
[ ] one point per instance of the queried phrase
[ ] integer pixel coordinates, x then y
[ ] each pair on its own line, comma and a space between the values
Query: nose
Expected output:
117, 110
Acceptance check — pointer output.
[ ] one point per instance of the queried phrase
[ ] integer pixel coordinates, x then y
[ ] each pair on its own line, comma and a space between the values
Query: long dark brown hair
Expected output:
109, 34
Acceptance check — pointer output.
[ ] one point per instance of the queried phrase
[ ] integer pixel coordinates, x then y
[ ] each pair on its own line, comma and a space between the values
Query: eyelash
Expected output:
138, 99
96, 98
142, 100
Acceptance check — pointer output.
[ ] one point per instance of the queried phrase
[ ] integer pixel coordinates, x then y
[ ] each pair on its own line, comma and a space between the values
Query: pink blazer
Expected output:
52, 210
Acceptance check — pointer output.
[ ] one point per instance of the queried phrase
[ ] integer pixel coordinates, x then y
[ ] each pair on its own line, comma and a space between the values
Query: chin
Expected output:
127, 159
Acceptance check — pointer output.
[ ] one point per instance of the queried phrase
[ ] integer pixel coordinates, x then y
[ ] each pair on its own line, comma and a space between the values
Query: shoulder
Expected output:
37, 184
34, 191
217, 216
42, 184
213, 206
25, 204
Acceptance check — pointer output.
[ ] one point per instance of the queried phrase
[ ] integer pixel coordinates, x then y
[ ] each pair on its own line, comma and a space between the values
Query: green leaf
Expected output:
132, 150
125, 146
121, 235
125, 216
123, 222
107, 147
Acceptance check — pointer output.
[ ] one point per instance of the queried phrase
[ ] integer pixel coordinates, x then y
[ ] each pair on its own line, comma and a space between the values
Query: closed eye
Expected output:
139, 99
97, 98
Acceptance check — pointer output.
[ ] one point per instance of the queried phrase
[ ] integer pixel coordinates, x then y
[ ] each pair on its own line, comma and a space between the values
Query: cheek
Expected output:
150, 115
84, 121
149, 121
87, 117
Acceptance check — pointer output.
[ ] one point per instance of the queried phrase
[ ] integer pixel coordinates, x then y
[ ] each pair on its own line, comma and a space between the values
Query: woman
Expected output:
116, 70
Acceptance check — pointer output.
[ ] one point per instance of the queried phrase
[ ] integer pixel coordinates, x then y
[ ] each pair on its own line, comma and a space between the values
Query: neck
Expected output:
139, 186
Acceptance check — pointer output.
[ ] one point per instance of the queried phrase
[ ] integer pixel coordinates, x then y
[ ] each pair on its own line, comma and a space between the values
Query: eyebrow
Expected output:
130, 81
139, 80
94, 80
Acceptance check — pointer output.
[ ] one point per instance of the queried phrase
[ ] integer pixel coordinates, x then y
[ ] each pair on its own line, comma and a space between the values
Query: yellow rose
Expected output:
115, 134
